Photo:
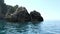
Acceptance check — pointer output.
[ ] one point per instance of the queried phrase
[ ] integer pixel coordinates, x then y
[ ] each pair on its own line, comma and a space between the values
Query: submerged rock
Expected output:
36, 16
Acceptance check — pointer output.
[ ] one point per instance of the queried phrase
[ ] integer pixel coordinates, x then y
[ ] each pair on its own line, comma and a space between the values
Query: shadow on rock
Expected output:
36, 16
20, 15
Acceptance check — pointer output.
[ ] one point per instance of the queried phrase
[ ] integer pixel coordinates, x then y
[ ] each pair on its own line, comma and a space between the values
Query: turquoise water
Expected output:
46, 27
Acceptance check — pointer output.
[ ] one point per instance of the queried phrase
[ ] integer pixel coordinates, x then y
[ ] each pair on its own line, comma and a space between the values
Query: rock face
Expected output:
36, 16
3, 9
11, 9
20, 15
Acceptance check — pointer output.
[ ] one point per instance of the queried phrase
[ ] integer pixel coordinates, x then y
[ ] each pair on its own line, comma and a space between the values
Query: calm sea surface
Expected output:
46, 27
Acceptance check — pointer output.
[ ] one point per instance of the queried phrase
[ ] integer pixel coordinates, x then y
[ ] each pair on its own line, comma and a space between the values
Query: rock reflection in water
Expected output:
21, 28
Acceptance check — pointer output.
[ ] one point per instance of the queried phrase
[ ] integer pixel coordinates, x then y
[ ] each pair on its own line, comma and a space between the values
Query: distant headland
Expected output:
18, 14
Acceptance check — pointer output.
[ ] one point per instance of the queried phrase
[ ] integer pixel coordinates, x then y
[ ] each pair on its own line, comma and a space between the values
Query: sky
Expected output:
49, 9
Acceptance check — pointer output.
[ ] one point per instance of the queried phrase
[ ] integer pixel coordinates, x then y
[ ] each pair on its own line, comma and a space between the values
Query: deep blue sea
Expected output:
45, 27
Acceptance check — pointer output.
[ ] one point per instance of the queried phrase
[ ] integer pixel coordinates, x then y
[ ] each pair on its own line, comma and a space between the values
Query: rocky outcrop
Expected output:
11, 9
6, 9
3, 9
20, 15
36, 16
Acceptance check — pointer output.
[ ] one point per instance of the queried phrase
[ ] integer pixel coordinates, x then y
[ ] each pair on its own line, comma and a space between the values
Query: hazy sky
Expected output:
49, 9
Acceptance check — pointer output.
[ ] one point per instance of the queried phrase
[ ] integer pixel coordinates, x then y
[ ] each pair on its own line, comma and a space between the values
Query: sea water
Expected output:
45, 27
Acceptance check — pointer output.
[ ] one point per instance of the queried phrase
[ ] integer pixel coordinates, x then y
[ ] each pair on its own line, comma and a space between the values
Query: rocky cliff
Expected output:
3, 9
18, 14
21, 15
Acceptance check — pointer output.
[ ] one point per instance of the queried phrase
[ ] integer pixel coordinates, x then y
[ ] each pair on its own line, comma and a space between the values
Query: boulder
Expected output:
36, 16
20, 15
